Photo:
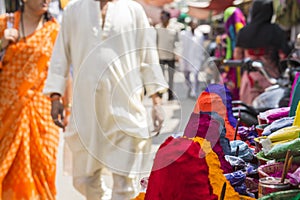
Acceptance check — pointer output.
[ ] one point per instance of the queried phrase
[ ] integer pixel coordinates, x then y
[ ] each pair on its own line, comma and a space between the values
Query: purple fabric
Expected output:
225, 95
202, 125
278, 124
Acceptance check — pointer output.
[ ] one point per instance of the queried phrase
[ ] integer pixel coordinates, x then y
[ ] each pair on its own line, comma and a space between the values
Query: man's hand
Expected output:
157, 118
57, 111
157, 112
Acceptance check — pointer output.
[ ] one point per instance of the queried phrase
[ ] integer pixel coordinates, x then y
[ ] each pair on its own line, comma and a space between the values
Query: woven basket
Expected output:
266, 170
242, 197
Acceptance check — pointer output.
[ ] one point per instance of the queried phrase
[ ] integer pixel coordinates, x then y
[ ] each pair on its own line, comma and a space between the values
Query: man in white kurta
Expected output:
113, 61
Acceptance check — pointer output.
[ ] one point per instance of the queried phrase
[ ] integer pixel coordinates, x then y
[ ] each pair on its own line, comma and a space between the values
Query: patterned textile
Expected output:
234, 20
28, 137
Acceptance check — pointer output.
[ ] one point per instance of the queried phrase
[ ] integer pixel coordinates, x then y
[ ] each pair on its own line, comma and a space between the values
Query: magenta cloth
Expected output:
226, 97
204, 126
277, 113
179, 172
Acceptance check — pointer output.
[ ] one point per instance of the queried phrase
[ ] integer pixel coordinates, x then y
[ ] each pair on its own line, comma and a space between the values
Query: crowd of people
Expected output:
86, 68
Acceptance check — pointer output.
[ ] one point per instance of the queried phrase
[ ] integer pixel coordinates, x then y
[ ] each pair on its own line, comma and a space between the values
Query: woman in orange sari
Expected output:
28, 136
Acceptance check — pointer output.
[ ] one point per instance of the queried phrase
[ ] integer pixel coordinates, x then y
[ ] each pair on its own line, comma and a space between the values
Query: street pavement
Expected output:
177, 113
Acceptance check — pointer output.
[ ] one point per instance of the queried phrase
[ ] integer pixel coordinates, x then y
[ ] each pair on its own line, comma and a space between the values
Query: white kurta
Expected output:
110, 70
192, 50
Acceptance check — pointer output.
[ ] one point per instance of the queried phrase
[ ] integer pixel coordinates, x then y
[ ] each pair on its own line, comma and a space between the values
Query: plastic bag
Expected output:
247, 133
235, 161
244, 151
236, 178
279, 150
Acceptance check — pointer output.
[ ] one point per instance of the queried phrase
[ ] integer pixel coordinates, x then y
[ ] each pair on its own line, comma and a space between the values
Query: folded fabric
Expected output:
224, 141
187, 169
210, 102
204, 126
236, 178
225, 94
278, 124
178, 173
279, 150
276, 113
244, 151
247, 134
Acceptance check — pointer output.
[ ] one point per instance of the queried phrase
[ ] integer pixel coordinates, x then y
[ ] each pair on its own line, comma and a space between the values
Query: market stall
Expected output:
217, 157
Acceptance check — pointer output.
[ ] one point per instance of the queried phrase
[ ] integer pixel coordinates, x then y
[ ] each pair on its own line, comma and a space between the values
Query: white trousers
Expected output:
91, 186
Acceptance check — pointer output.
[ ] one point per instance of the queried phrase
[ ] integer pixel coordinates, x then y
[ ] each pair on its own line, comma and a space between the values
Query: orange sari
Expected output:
28, 136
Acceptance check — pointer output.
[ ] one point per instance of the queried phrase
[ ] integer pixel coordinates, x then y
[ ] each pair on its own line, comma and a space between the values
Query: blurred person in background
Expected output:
28, 136
113, 52
167, 37
210, 69
264, 41
192, 56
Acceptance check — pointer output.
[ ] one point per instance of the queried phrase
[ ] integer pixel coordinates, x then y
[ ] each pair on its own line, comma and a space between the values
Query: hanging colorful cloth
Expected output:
234, 20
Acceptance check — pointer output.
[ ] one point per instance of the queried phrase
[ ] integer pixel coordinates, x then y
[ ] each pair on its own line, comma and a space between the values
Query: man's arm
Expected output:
58, 73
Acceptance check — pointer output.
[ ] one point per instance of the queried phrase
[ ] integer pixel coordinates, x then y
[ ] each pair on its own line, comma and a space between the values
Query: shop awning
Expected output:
158, 2
205, 10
